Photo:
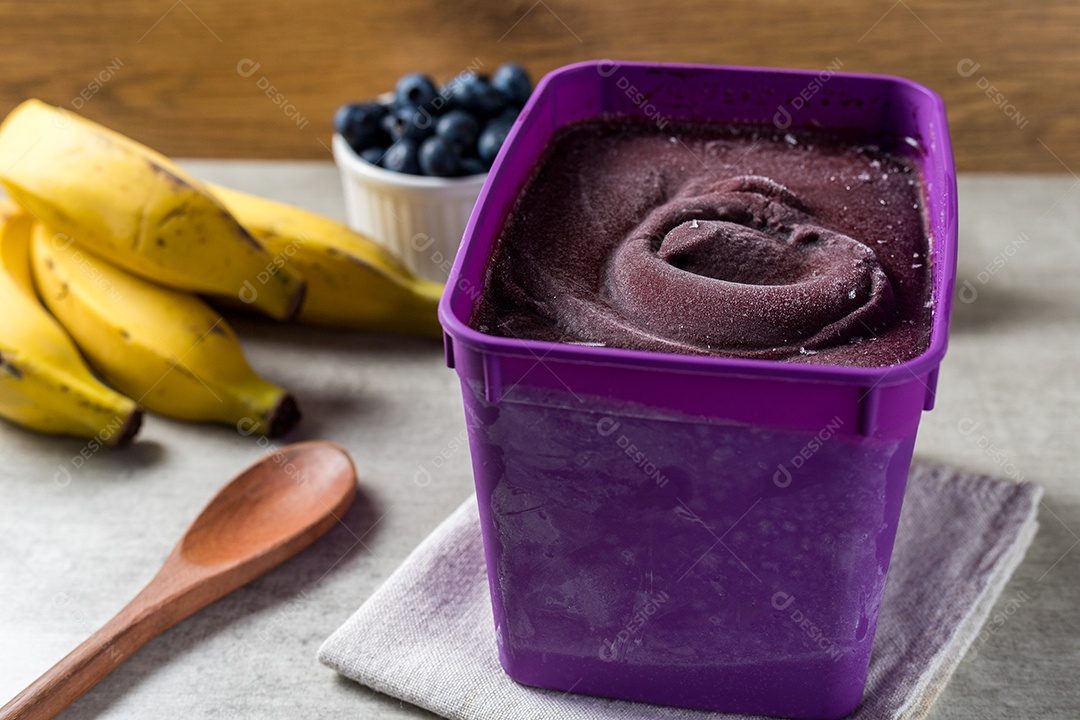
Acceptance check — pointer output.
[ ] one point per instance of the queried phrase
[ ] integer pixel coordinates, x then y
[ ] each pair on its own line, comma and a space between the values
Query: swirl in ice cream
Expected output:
745, 268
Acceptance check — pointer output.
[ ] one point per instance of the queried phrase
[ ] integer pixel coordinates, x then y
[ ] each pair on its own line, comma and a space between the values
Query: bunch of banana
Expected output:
117, 240
167, 348
44, 383
352, 281
137, 209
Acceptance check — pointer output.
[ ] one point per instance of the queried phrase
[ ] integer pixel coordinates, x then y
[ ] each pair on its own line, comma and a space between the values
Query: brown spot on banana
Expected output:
169, 175
10, 368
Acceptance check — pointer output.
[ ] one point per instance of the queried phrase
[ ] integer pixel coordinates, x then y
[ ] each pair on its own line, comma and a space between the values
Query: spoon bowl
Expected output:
277, 501
264, 516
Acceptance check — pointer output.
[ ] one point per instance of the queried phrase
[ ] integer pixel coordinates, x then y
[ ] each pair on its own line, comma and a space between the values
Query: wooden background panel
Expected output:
261, 78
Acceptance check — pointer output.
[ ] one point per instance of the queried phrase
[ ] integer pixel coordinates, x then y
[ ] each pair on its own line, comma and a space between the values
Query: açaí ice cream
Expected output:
714, 239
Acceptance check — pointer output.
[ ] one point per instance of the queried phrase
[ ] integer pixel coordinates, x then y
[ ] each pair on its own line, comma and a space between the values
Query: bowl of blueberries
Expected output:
413, 161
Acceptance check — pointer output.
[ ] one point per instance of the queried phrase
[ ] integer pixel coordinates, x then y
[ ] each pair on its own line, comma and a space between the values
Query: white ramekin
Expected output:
420, 219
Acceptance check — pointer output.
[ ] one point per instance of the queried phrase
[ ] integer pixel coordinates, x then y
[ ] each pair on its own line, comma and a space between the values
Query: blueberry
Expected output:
412, 123
458, 128
415, 90
457, 90
359, 124
438, 158
390, 125
513, 82
474, 94
372, 154
490, 103
472, 166
401, 157
491, 139
508, 116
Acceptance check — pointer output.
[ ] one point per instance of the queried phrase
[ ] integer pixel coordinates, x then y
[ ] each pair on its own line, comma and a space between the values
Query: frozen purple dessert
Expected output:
719, 240
706, 520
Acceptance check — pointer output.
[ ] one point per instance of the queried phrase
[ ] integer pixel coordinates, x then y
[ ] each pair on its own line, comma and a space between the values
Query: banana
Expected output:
44, 383
352, 282
137, 209
167, 348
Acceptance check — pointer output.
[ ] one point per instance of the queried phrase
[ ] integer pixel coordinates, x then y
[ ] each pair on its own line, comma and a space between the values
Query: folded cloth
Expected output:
427, 635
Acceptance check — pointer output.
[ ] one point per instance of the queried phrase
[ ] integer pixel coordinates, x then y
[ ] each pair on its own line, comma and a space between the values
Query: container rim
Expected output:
375, 175
916, 368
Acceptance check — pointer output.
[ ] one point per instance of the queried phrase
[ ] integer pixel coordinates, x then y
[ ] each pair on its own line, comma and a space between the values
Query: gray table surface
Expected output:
72, 555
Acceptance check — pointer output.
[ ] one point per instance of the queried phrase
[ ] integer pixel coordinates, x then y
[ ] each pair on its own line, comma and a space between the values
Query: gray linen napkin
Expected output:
427, 635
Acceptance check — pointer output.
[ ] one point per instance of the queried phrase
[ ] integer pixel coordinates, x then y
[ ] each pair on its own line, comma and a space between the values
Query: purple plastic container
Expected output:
694, 531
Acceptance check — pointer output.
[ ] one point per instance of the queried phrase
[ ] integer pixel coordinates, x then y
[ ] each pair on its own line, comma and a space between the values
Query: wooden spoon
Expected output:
267, 514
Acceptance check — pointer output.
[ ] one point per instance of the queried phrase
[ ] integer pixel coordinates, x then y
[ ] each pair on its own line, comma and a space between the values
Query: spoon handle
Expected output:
149, 614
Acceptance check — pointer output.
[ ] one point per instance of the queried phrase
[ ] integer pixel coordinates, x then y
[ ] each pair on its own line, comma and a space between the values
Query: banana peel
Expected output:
352, 281
45, 385
137, 209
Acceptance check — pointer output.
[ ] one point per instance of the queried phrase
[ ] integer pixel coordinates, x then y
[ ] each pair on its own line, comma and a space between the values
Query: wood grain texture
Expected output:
251, 78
